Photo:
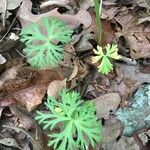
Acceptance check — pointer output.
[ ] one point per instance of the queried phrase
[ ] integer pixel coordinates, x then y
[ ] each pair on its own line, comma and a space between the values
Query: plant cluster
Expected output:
111, 50
79, 124
111, 53
44, 42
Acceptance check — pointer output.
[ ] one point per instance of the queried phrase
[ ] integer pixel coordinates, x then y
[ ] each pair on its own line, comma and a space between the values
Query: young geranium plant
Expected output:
111, 50
44, 42
111, 53
76, 119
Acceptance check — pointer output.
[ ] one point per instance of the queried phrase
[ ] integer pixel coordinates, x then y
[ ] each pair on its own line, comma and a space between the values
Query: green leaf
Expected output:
79, 124
111, 52
42, 38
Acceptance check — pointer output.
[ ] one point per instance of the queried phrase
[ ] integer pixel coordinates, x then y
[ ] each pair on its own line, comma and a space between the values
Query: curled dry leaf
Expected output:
55, 87
8, 75
54, 2
23, 118
9, 142
74, 72
2, 62
106, 103
2, 59
26, 17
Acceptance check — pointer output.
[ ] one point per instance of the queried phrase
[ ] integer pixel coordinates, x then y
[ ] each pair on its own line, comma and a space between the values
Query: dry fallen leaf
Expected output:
111, 130
125, 143
55, 87
28, 93
30, 97
2, 59
8, 75
85, 4
106, 103
137, 36
26, 17
54, 2
23, 119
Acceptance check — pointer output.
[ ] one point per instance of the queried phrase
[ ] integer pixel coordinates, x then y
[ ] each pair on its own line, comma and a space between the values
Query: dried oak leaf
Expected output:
26, 17
112, 129
8, 75
137, 36
124, 143
32, 93
106, 103
55, 87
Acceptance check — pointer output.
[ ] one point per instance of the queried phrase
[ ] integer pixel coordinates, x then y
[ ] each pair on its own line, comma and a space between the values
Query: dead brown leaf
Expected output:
145, 69
8, 75
106, 103
137, 36
26, 17
124, 143
55, 87
29, 92
132, 79
111, 130
23, 119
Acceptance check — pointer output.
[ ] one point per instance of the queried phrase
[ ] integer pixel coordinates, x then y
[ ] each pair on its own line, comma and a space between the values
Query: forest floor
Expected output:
121, 98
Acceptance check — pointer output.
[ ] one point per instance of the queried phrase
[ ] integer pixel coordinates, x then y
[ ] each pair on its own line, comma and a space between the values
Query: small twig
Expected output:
128, 61
2, 135
20, 54
10, 26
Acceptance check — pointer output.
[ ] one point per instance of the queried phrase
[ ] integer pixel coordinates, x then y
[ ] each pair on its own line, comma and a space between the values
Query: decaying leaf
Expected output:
11, 4
111, 130
55, 87
30, 97
2, 59
144, 137
9, 142
125, 143
85, 4
54, 2
141, 20
30, 92
133, 73
137, 36
26, 17
106, 103
8, 75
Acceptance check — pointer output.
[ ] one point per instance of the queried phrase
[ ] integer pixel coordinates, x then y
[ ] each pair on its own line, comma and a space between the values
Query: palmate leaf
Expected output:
79, 122
42, 38
111, 52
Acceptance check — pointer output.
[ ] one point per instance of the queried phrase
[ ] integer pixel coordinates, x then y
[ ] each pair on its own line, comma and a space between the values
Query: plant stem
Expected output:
98, 10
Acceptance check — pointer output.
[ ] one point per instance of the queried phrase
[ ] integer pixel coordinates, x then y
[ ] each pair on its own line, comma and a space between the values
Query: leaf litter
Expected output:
23, 89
